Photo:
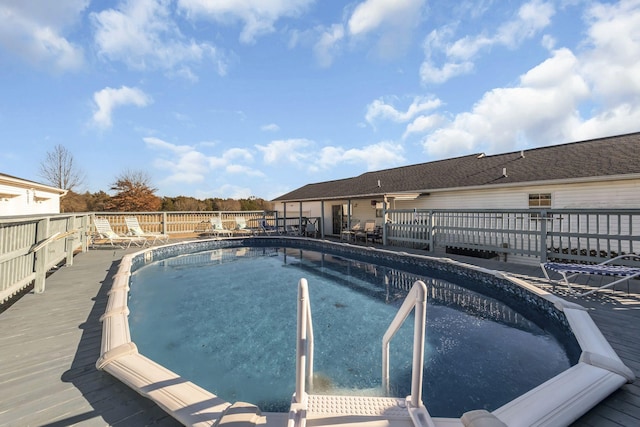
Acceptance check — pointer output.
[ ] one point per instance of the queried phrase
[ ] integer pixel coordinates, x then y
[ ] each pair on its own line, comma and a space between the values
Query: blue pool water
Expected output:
226, 320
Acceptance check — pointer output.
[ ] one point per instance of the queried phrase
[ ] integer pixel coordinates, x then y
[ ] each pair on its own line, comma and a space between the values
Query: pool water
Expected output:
226, 320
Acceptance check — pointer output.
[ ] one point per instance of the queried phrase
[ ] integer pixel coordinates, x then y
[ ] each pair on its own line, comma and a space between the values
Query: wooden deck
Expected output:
50, 342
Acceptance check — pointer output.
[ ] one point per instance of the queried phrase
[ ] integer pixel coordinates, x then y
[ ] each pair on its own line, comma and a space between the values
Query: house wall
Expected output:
607, 194
24, 200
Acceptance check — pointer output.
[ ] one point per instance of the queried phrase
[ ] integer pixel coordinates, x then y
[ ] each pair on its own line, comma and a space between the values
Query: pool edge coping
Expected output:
559, 401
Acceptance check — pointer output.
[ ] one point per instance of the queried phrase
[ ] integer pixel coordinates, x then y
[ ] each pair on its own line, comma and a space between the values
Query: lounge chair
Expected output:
369, 227
241, 227
350, 233
104, 230
610, 267
267, 228
135, 230
217, 228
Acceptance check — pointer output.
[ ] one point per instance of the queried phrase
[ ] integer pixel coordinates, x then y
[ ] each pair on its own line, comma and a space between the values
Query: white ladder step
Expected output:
387, 407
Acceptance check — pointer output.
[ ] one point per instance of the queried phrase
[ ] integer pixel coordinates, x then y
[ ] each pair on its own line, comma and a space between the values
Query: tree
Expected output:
97, 202
59, 169
73, 202
133, 193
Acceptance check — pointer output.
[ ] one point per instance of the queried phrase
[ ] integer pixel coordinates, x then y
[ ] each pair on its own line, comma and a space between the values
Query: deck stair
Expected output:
356, 409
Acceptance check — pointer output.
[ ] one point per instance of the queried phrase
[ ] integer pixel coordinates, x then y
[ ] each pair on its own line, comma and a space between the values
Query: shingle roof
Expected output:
616, 155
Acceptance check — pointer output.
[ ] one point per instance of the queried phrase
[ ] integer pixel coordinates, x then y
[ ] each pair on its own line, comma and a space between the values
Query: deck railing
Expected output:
583, 235
31, 246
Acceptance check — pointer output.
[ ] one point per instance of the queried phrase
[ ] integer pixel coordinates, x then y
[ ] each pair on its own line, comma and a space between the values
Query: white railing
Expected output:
304, 357
32, 245
416, 299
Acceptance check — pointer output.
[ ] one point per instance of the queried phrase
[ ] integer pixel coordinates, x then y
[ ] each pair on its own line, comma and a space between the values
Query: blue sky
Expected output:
240, 98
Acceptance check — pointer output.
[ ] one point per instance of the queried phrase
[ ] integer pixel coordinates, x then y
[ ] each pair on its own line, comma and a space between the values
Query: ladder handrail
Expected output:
416, 298
304, 343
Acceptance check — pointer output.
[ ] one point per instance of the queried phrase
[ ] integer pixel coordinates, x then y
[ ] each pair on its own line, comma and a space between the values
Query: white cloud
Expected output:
376, 156
285, 150
186, 164
532, 17
568, 97
107, 99
303, 154
372, 14
391, 21
271, 127
328, 45
542, 108
613, 62
34, 31
422, 124
257, 16
143, 35
379, 109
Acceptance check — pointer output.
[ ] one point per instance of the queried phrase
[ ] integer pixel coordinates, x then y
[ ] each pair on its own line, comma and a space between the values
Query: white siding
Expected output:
19, 200
607, 194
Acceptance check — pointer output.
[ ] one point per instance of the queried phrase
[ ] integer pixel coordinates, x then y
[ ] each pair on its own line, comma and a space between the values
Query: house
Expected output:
22, 197
593, 174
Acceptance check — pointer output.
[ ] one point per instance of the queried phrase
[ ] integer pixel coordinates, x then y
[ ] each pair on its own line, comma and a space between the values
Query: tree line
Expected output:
133, 191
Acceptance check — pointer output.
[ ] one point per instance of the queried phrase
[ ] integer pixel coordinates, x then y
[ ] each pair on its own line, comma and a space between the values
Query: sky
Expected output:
242, 98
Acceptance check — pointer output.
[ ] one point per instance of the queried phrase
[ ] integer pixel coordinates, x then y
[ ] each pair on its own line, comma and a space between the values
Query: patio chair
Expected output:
104, 230
310, 229
267, 228
350, 233
242, 228
217, 228
369, 228
611, 267
135, 230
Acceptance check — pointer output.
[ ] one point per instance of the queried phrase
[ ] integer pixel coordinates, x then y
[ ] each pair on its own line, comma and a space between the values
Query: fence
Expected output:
560, 234
31, 246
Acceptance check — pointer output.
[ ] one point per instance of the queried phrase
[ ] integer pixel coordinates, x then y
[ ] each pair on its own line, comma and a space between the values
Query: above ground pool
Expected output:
225, 319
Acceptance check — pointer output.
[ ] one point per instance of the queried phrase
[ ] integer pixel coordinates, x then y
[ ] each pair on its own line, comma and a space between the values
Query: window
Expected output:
539, 201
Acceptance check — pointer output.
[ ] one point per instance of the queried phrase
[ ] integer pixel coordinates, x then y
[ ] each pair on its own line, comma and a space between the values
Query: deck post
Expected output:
543, 236
40, 263
68, 241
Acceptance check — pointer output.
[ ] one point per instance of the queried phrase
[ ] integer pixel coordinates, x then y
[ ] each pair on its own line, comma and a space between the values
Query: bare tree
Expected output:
59, 169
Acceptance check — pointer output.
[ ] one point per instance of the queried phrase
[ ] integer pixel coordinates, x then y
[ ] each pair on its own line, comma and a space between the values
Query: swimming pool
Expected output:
558, 401
252, 293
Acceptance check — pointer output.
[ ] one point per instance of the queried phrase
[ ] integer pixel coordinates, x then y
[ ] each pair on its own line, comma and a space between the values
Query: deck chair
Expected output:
217, 228
350, 233
369, 227
611, 268
135, 230
310, 230
267, 228
241, 227
104, 230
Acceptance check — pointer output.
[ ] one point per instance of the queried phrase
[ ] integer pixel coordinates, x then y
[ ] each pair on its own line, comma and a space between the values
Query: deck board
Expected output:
50, 342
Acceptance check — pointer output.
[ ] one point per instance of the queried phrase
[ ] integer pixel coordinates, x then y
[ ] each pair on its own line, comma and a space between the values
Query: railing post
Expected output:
384, 223
430, 240
84, 233
68, 241
543, 236
40, 264
164, 224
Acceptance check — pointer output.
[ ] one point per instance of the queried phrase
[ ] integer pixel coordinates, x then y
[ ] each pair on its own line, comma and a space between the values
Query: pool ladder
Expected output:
302, 403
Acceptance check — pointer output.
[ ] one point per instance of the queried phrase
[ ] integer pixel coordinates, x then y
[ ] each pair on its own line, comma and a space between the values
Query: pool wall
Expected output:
597, 371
